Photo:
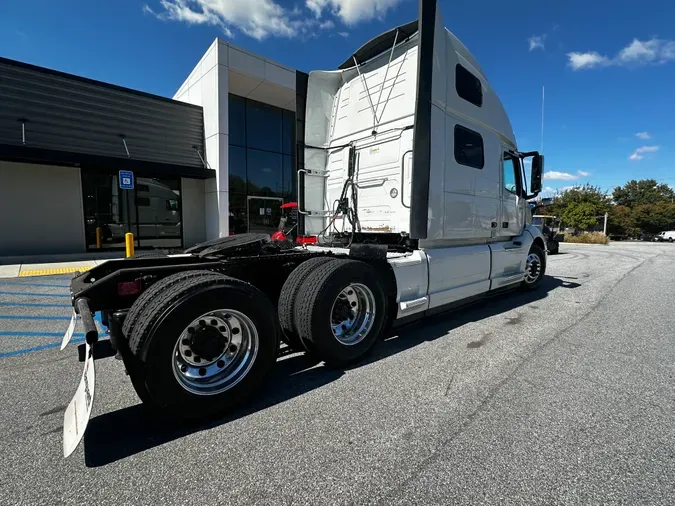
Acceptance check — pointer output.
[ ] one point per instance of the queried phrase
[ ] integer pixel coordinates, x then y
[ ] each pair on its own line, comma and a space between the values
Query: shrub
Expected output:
588, 238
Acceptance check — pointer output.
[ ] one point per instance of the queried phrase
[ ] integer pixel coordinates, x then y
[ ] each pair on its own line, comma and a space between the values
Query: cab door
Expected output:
511, 220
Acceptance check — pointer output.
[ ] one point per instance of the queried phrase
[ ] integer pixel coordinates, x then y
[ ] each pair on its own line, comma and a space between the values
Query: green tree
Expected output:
654, 218
644, 191
622, 222
580, 207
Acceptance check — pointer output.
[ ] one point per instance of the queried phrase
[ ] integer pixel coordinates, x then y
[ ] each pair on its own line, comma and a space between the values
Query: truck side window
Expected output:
509, 167
468, 147
172, 205
468, 86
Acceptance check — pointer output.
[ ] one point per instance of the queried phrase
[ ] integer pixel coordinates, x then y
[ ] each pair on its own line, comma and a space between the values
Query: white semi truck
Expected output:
413, 199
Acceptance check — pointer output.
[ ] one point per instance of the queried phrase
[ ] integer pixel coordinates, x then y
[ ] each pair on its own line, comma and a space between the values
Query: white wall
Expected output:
41, 210
225, 69
193, 211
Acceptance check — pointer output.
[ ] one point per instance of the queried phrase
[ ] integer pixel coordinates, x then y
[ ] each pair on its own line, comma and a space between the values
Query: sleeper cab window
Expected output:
468, 86
509, 167
468, 148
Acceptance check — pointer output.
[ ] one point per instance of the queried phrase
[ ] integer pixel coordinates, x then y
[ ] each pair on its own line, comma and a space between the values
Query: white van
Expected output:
665, 236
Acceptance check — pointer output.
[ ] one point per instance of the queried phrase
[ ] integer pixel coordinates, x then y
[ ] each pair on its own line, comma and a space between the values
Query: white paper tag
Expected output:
69, 333
77, 414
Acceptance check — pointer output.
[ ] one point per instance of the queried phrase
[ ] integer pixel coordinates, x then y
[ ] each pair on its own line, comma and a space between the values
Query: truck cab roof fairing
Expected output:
379, 44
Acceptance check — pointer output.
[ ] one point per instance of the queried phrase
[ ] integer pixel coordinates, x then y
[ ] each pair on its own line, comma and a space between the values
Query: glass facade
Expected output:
261, 164
151, 211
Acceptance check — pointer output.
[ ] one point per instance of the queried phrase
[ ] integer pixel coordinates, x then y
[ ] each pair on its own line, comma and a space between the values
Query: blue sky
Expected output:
608, 67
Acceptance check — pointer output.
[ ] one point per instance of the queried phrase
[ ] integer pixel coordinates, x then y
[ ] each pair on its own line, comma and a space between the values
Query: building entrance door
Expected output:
264, 214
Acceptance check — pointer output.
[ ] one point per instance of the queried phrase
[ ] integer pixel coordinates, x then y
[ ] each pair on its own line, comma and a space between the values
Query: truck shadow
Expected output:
120, 434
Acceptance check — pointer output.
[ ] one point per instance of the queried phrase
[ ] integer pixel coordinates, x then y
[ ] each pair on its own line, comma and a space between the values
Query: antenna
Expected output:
542, 119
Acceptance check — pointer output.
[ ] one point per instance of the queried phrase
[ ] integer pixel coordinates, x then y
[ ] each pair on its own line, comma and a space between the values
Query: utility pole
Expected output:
604, 230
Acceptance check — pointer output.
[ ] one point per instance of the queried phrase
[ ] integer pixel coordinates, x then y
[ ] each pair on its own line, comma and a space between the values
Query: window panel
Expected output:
468, 86
237, 120
288, 133
468, 147
237, 169
264, 171
289, 175
237, 215
263, 127
509, 168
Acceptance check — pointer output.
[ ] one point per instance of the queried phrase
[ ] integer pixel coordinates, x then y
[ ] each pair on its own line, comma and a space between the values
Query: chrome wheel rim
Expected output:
532, 268
215, 352
353, 314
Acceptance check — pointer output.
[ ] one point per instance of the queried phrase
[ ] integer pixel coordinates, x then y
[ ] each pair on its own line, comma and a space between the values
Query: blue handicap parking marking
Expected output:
34, 316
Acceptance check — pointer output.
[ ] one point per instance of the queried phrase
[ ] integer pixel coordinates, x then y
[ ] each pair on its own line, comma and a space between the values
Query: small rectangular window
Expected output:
468, 86
511, 170
142, 201
142, 188
468, 147
172, 205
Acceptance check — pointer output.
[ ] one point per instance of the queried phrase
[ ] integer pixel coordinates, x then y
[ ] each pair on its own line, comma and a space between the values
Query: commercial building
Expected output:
219, 158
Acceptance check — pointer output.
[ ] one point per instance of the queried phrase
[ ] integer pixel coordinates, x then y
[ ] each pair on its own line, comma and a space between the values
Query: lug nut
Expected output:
235, 331
186, 342
188, 353
202, 371
350, 292
228, 316
183, 368
197, 358
354, 304
233, 348
220, 364
202, 323
222, 328
191, 330
214, 322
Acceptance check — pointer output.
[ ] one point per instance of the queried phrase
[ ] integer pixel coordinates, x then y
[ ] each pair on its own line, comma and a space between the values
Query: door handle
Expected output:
505, 224
494, 224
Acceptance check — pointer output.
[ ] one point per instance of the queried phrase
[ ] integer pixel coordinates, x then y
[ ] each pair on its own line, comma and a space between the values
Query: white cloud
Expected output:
638, 153
260, 19
351, 12
637, 53
643, 135
563, 176
536, 42
554, 175
343, 34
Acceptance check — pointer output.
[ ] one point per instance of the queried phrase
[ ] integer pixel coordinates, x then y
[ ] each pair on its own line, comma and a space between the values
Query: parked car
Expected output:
665, 236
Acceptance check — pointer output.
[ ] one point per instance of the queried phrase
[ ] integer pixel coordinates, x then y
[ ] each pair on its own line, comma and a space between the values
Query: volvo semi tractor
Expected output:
412, 200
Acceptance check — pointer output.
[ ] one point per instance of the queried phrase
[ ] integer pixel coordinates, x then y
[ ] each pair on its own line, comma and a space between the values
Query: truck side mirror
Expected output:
537, 172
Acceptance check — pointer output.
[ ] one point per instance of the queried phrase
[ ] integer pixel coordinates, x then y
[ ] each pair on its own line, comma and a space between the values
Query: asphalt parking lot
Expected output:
565, 396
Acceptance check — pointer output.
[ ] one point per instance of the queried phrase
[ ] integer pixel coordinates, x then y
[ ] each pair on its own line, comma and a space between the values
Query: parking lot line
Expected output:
32, 304
49, 285
38, 348
32, 294
32, 317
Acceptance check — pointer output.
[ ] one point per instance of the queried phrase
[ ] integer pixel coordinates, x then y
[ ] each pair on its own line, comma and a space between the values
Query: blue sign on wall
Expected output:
126, 180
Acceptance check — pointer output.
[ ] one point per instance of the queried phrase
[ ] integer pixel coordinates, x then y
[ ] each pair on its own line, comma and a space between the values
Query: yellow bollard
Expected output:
129, 240
99, 237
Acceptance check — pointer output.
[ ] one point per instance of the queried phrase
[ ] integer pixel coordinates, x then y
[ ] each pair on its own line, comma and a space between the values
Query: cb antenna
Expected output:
542, 119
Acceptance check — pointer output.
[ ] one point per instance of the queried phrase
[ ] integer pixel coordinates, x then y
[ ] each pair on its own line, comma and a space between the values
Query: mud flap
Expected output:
69, 332
77, 413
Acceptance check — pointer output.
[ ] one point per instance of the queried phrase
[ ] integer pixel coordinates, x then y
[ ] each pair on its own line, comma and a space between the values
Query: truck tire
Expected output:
554, 248
341, 310
131, 362
152, 292
204, 346
535, 268
288, 297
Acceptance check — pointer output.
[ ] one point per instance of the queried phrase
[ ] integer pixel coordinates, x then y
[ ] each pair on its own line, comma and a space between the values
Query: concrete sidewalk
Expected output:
46, 269
13, 267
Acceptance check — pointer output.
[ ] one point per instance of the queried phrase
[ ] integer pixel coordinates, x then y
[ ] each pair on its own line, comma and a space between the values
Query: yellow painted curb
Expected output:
48, 272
